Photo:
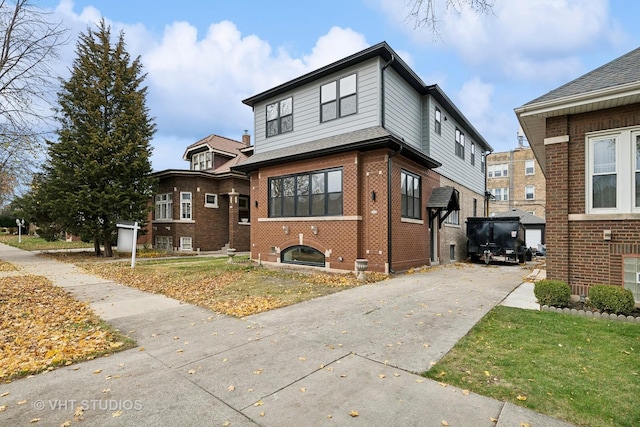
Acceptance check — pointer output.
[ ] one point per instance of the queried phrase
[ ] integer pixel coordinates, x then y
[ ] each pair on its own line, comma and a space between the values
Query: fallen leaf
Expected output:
493, 420
258, 403
191, 371
97, 371
303, 389
262, 414
116, 414
465, 392
226, 424
34, 420
106, 390
179, 350
3, 408
523, 424
22, 402
6, 393
381, 376
487, 373
302, 359
395, 374
444, 423
66, 424
354, 413
257, 372
231, 388
521, 397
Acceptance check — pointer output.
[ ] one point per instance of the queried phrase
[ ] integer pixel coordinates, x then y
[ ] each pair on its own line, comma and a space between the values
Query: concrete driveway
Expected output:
350, 358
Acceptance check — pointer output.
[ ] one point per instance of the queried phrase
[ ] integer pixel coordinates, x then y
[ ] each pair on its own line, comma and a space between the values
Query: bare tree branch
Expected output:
425, 13
29, 43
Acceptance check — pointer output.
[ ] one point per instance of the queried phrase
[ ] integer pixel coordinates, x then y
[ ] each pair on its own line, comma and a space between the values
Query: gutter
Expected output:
389, 167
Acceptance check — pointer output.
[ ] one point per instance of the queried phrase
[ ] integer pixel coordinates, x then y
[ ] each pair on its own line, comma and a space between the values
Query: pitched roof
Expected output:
363, 139
393, 60
526, 218
620, 71
217, 143
444, 197
614, 84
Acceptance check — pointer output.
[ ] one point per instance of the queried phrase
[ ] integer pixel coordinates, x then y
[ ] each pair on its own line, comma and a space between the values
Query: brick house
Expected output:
205, 207
586, 137
515, 181
361, 160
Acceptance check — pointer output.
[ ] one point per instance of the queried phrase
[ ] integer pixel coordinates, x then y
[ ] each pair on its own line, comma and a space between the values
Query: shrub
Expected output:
614, 299
552, 292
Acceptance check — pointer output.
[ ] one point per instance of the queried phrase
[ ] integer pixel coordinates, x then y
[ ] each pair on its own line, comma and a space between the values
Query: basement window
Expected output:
304, 255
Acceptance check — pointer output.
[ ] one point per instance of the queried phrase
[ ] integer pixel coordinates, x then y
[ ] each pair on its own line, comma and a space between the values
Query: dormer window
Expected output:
280, 117
338, 98
201, 161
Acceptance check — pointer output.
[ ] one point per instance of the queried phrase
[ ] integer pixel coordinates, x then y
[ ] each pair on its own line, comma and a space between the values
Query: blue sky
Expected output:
204, 57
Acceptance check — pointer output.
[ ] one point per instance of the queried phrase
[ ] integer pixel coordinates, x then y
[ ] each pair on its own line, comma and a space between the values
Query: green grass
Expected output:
584, 371
31, 243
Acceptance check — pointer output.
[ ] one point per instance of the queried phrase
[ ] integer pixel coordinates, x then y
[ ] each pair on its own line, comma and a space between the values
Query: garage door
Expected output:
533, 238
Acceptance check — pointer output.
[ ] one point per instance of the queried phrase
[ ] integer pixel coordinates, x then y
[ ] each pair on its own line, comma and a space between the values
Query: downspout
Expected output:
389, 167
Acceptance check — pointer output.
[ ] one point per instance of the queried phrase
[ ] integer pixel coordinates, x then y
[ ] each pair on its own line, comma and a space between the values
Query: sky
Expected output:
203, 57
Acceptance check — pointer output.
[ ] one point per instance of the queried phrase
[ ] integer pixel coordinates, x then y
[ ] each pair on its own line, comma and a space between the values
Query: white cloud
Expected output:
197, 81
523, 39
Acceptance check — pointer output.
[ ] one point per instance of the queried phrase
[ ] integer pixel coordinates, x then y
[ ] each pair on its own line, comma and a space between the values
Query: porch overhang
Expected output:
443, 200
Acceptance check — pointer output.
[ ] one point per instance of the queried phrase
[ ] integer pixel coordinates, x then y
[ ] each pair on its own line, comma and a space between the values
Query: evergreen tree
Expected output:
99, 171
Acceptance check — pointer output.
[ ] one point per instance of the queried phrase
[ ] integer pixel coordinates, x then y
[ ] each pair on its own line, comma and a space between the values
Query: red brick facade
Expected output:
362, 231
210, 228
576, 250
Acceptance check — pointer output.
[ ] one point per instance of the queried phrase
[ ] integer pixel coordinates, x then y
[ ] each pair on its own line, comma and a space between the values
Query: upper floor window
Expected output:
459, 144
201, 161
529, 192
500, 194
411, 195
528, 167
498, 171
280, 117
482, 162
307, 194
185, 206
164, 206
438, 121
473, 154
338, 98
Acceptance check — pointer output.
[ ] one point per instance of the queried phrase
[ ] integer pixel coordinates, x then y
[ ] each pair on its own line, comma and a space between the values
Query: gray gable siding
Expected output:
403, 108
306, 110
443, 149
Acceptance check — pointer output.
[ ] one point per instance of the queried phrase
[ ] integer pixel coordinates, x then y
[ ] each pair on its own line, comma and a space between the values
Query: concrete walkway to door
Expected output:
350, 358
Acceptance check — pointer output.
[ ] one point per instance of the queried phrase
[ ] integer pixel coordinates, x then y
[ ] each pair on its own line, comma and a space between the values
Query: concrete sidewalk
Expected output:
314, 363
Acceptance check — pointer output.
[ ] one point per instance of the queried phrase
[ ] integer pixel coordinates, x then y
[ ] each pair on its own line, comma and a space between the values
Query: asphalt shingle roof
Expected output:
620, 71
526, 218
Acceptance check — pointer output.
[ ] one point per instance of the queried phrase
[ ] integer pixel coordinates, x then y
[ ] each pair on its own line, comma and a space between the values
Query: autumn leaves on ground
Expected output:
43, 326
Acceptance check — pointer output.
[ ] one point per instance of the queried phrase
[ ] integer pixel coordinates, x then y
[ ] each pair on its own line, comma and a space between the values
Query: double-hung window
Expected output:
473, 154
280, 117
500, 194
482, 162
438, 121
164, 206
338, 98
528, 167
459, 144
613, 171
529, 192
411, 195
307, 194
185, 206
201, 161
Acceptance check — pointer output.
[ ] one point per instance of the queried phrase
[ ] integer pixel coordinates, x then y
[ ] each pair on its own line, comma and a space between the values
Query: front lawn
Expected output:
585, 371
42, 326
31, 243
239, 289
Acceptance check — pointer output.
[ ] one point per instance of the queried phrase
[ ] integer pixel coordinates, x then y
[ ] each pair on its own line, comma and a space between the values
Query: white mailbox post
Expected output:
128, 238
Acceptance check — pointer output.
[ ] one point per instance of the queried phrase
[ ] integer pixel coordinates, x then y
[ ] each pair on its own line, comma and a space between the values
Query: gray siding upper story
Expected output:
306, 110
442, 147
407, 112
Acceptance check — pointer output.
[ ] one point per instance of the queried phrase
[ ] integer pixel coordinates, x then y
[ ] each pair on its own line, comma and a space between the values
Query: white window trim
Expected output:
184, 246
625, 170
210, 205
533, 192
190, 218
533, 167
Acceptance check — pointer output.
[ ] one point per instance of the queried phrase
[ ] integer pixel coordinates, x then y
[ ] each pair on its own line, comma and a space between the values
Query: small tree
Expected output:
99, 169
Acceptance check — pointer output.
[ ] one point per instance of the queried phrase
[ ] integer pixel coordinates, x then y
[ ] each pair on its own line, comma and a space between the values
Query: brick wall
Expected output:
209, 229
362, 230
576, 250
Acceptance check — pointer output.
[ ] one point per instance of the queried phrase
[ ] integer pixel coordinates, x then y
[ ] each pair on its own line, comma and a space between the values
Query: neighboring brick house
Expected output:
344, 168
204, 208
515, 181
586, 137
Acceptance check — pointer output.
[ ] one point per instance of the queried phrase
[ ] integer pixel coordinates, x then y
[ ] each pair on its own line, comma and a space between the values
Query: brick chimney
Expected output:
246, 138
